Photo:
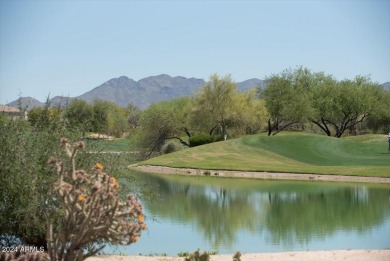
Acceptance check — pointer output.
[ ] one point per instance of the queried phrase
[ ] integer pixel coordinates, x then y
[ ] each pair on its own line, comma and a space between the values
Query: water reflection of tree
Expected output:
300, 217
291, 213
218, 213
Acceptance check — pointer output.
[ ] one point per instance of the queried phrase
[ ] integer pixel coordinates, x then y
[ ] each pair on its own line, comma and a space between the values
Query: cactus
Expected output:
90, 210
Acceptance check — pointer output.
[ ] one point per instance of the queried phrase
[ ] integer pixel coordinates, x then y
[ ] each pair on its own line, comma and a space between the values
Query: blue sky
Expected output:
69, 47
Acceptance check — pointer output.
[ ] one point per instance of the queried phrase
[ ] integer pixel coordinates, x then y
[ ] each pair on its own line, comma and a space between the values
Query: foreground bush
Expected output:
90, 210
25, 180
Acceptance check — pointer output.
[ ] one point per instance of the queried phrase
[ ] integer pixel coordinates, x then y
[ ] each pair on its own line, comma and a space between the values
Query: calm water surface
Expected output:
227, 215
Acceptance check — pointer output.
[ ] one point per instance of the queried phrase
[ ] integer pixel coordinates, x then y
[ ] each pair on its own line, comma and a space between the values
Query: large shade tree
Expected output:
379, 122
287, 98
342, 105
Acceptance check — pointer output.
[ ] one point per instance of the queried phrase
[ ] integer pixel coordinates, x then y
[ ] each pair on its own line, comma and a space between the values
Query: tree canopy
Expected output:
287, 98
218, 110
299, 96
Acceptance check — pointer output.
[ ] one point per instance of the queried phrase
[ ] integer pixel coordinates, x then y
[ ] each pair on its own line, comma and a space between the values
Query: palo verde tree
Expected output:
342, 105
287, 98
109, 118
215, 102
248, 114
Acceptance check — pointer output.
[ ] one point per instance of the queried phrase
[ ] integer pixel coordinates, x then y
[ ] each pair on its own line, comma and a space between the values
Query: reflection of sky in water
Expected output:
167, 235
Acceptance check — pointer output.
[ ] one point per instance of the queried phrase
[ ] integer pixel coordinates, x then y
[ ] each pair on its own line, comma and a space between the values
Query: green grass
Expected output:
288, 152
111, 145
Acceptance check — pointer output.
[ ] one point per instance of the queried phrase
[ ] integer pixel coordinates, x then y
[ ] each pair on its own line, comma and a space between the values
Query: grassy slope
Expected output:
289, 152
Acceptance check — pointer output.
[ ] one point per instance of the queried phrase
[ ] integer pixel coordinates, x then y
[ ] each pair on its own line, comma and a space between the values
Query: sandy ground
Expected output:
339, 255
260, 175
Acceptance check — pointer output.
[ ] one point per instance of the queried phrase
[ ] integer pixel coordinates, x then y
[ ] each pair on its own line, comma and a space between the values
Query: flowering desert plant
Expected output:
89, 209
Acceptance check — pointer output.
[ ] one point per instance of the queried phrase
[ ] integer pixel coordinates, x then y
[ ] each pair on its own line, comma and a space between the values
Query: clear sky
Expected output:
69, 47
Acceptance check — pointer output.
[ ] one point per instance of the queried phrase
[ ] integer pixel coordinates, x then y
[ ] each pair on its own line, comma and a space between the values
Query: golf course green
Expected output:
291, 152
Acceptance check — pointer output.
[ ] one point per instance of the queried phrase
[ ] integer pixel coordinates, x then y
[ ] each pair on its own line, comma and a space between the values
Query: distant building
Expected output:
12, 111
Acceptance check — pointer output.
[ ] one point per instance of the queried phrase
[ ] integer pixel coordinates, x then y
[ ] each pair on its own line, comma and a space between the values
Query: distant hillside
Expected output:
386, 85
142, 93
30, 103
147, 91
60, 101
248, 84
26, 102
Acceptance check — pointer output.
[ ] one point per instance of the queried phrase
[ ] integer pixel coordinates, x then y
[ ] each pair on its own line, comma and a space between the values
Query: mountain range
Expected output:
142, 93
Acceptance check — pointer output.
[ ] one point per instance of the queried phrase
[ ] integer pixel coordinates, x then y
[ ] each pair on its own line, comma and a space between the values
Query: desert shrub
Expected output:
170, 147
196, 256
89, 208
204, 138
237, 256
26, 179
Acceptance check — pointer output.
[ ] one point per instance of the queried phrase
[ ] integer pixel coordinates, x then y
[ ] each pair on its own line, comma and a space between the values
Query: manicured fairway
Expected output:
289, 152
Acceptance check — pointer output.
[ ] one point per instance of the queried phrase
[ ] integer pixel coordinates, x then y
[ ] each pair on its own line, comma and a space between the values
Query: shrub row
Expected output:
204, 138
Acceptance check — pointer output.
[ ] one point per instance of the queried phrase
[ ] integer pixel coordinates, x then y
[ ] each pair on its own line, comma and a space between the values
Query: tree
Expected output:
248, 113
46, 118
133, 116
287, 98
379, 122
215, 102
164, 121
79, 115
109, 118
100, 115
339, 106
117, 123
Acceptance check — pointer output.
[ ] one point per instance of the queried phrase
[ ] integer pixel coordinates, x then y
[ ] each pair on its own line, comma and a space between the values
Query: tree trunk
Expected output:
211, 131
322, 125
269, 127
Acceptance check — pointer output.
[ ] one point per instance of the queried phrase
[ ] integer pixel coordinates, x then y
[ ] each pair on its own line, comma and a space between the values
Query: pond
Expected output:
228, 215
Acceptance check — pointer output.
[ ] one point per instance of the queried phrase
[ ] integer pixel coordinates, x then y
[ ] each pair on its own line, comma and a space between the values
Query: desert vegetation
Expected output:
41, 208
88, 209
300, 97
296, 100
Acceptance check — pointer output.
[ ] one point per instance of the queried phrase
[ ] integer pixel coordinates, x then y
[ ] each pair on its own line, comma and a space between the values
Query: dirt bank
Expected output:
258, 175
